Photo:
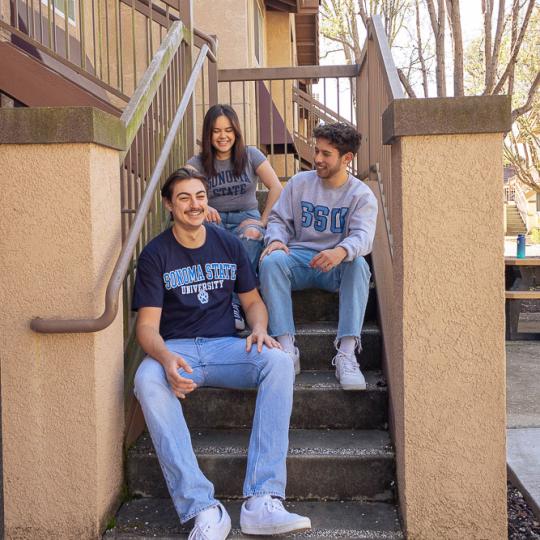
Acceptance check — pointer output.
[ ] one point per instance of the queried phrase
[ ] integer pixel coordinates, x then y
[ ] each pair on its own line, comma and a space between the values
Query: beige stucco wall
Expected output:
62, 395
448, 371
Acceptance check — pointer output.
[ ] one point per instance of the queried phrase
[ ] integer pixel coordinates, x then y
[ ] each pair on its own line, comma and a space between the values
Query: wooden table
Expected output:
522, 283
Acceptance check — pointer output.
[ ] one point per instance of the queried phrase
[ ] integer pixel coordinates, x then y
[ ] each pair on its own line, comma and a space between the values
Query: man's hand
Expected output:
328, 259
274, 246
260, 336
212, 215
180, 385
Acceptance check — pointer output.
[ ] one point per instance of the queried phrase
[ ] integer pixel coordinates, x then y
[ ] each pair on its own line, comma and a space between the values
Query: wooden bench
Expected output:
522, 283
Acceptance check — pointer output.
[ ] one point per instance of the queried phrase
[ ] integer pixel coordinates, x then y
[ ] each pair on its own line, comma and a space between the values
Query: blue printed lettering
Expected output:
307, 214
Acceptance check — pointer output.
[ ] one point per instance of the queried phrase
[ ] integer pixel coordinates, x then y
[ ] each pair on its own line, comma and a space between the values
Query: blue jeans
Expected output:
223, 363
281, 273
231, 221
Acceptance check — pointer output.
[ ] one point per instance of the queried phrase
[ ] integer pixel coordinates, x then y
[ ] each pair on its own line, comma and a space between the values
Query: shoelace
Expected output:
199, 533
347, 363
274, 505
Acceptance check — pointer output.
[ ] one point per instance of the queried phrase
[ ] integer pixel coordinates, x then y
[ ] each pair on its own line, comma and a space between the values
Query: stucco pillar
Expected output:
449, 315
62, 394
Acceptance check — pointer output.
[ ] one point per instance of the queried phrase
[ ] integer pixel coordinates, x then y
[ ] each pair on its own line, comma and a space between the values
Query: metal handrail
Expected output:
212, 43
55, 326
376, 170
521, 204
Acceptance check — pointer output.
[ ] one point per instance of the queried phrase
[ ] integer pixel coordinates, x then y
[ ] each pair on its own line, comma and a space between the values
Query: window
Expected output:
258, 31
60, 8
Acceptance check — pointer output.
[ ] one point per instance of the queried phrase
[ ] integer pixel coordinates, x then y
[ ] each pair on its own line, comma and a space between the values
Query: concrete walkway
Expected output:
523, 418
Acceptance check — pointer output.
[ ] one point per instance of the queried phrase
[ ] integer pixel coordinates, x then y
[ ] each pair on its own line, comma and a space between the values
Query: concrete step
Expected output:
322, 464
316, 344
156, 519
314, 305
319, 402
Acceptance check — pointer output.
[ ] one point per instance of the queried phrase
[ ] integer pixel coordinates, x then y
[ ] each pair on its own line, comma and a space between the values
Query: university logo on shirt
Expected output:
194, 280
322, 218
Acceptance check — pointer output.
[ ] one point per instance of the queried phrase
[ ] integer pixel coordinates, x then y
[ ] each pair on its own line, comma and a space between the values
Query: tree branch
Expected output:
516, 113
516, 49
405, 82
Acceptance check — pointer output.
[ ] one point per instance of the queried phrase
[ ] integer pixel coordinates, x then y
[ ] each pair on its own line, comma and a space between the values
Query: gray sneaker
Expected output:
348, 372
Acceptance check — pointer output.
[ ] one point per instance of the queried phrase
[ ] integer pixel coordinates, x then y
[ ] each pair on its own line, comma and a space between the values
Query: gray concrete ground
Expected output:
523, 418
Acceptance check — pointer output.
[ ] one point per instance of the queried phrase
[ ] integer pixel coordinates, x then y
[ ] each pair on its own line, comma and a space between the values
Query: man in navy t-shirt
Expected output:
185, 324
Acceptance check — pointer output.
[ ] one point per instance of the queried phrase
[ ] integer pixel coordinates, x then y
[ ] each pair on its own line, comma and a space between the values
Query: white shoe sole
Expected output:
299, 525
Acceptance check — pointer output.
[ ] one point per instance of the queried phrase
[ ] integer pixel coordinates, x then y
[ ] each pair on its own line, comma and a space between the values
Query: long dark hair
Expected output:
238, 152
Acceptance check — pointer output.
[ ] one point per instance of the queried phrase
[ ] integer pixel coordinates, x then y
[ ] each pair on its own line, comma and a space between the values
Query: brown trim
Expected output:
284, 73
36, 84
67, 63
390, 74
293, 6
51, 125
446, 116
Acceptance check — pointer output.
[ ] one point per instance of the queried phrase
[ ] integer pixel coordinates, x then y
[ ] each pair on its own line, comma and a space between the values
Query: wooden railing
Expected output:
279, 107
104, 45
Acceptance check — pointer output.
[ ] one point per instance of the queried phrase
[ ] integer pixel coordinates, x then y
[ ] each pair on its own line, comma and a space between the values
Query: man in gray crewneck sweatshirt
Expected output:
317, 236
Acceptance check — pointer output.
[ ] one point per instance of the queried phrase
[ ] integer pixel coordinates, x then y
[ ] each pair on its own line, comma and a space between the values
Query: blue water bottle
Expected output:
521, 246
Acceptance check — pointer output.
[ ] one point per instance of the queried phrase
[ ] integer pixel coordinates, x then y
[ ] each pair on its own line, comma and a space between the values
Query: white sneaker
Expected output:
239, 322
207, 530
268, 516
348, 372
295, 355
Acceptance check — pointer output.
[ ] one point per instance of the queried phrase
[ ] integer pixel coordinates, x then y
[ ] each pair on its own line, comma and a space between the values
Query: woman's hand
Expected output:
212, 215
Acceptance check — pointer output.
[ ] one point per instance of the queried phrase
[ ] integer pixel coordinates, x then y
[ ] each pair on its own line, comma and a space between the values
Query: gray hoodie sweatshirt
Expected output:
310, 215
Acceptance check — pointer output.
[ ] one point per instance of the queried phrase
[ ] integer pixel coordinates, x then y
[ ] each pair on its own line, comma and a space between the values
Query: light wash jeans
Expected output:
223, 363
281, 273
231, 221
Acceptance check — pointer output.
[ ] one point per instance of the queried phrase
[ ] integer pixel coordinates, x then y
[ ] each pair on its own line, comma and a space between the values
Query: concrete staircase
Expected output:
341, 461
514, 222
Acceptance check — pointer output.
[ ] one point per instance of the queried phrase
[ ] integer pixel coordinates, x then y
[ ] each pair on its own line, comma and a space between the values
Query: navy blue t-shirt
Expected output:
193, 286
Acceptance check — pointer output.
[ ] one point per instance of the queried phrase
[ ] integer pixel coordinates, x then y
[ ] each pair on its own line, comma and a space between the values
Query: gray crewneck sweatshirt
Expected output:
313, 216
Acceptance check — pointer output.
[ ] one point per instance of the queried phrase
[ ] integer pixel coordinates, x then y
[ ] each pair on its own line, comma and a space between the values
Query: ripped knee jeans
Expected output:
250, 234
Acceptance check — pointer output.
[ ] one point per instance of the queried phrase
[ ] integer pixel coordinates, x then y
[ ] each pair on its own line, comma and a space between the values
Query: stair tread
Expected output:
156, 518
326, 380
330, 327
319, 380
302, 442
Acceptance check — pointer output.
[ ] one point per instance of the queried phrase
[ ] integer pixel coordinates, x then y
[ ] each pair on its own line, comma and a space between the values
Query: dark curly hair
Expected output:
342, 136
184, 173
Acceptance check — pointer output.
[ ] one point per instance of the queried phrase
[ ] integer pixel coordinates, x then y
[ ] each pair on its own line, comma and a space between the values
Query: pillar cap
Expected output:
57, 125
446, 116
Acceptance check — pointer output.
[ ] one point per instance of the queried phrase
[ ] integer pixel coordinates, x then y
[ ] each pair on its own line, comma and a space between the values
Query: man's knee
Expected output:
281, 364
360, 267
276, 259
149, 377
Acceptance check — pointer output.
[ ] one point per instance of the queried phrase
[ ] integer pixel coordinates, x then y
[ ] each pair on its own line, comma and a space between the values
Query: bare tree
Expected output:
522, 150
421, 58
437, 18
454, 18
